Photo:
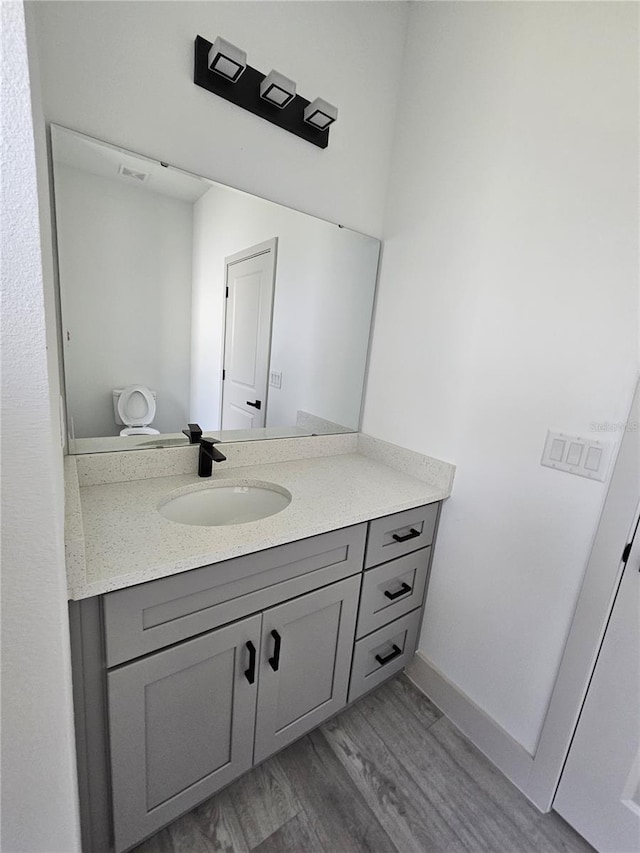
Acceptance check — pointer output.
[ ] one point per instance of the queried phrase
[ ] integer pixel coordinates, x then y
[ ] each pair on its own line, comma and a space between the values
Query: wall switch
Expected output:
557, 449
594, 459
275, 379
575, 454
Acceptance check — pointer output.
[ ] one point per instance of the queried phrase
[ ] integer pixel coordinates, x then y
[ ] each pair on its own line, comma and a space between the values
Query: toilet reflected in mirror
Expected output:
135, 408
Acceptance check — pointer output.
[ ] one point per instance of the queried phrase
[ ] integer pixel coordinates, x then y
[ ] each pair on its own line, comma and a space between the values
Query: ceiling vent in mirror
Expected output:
134, 174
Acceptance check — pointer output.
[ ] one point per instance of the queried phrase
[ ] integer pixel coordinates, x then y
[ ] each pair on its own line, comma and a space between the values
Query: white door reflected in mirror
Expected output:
250, 281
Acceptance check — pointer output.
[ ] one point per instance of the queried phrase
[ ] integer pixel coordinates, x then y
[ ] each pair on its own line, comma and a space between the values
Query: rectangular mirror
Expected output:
185, 301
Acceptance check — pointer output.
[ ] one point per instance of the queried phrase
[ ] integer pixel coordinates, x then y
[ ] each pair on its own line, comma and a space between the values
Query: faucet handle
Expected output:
193, 433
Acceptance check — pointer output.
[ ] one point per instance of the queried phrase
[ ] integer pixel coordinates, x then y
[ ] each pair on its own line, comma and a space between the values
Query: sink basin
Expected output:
226, 503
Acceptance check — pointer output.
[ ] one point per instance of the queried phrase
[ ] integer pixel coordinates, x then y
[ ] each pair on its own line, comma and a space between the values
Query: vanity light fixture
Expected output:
320, 114
227, 60
277, 89
221, 68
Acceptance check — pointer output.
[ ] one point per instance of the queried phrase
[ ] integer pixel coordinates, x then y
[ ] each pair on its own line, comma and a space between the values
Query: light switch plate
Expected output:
576, 454
275, 379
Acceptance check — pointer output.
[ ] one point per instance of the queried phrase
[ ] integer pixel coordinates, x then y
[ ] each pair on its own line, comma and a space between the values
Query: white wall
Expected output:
124, 72
325, 279
508, 304
124, 257
39, 798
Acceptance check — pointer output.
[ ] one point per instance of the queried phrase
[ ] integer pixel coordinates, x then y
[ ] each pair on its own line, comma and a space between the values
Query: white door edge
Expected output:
595, 602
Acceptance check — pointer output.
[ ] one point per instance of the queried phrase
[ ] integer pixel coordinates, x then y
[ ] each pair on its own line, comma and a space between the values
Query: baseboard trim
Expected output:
501, 749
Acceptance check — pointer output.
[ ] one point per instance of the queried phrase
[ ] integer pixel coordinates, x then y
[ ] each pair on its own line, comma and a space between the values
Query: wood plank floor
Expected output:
390, 774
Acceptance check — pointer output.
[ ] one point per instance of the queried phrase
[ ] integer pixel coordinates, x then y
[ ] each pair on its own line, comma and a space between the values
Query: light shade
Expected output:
277, 89
320, 114
227, 60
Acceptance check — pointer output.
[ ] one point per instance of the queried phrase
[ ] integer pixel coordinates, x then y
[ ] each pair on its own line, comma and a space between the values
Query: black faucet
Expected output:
208, 455
193, 433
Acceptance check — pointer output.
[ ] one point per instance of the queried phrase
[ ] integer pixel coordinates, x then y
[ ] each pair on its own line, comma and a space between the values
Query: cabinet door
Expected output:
181, 726
304, 663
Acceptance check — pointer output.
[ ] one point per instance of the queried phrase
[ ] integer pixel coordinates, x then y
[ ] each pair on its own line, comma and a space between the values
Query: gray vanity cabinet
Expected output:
185, 721
180, 727
187, 681
304, 664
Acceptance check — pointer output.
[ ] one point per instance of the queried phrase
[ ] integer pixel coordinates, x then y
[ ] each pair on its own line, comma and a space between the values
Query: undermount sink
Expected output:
226, 503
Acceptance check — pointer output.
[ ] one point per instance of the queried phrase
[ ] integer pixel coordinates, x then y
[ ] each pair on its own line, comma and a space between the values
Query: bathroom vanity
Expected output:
215, 621
187, 680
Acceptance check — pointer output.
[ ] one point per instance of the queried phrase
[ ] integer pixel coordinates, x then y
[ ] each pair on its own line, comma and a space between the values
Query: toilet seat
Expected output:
137, 409
139, 431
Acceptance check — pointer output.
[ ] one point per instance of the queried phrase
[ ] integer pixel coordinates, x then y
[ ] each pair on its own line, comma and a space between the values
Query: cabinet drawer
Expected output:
394, 535
391, 590
382, 653
147, 617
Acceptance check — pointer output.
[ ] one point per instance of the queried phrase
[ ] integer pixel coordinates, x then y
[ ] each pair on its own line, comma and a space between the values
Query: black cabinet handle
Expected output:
275, 660
393, 654
403, 589
256, 405
410, 535
251, 672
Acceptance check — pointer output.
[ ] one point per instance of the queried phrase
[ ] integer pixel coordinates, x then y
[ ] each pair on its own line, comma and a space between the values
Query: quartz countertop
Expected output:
117, 537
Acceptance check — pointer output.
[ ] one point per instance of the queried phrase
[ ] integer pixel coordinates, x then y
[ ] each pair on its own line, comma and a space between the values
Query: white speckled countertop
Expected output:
117, 538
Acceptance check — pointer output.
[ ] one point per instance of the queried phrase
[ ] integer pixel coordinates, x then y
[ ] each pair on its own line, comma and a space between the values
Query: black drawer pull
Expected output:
251, 672
274, 661
410, 535
256, 405
402, 591
393, 654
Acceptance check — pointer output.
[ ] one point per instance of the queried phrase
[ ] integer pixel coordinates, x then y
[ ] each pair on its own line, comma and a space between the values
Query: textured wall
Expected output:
39, 812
